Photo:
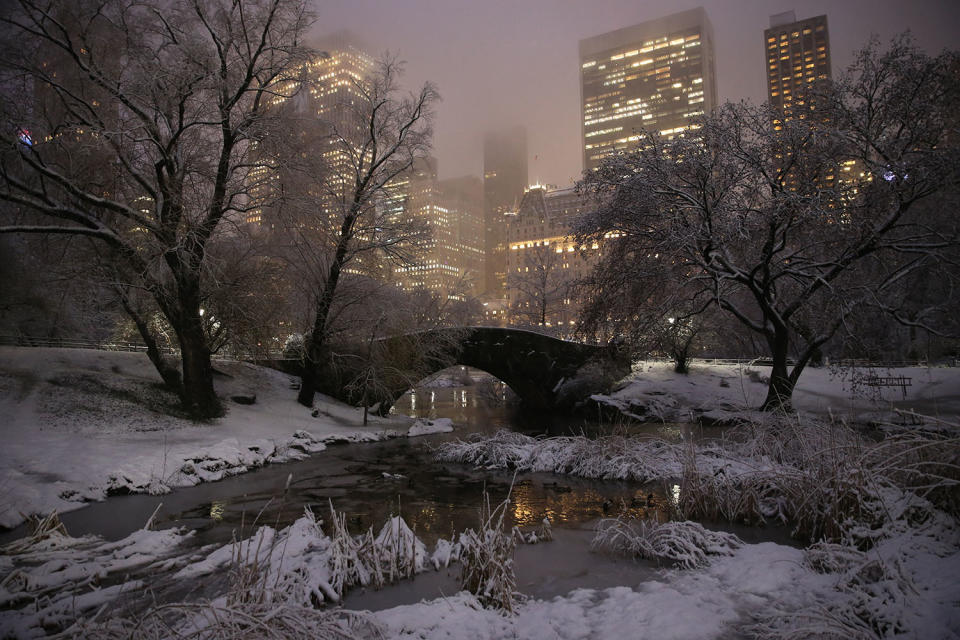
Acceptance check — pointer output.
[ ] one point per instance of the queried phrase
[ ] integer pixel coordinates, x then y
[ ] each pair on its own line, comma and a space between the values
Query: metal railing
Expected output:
76, 343
119, 345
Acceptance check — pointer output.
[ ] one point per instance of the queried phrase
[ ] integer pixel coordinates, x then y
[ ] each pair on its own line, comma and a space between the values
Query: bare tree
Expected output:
375, 138
541, 285
138, 135
791, 226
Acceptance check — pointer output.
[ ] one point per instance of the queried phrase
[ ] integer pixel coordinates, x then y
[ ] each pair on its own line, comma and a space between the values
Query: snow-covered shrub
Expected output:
486, 559
593, 377
401, 553
294, 347
685, 543
394, 554
611, 457
502, 450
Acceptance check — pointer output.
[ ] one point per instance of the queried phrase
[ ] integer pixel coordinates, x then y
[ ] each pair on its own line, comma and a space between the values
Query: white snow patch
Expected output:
424, 427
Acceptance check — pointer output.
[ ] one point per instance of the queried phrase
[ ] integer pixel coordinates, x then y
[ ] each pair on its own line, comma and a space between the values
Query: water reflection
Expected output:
370, 482
217, 510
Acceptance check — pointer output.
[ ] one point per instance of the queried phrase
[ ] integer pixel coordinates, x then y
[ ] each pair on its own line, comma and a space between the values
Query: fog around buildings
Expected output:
499, 63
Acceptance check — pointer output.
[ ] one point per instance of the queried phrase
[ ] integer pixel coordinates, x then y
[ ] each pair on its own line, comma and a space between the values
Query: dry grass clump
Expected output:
824, 479
46, 530
687, 544
486, 558
609, 457
209, 621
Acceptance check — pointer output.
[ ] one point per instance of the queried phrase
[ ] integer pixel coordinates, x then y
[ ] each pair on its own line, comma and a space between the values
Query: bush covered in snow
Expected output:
685, 543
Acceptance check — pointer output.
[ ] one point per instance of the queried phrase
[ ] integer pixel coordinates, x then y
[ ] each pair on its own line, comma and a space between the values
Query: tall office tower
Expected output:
333, 79
504, 179
798, 54
464, 199
658, 75
438, 263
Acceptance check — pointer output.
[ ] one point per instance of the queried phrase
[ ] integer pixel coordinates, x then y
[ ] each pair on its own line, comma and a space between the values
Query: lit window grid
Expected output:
797, 54
656, 86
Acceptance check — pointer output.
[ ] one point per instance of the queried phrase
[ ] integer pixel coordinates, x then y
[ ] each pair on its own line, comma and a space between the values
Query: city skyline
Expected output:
499, 63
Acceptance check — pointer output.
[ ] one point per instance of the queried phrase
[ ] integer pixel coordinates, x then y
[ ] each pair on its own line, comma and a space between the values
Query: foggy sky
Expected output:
504, 62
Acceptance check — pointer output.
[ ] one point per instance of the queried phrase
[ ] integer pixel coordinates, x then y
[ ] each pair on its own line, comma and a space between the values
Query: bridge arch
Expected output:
532, 364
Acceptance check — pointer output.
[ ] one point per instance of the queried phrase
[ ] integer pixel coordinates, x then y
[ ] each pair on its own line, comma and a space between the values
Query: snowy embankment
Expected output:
882, 516
78, 425
722, 392
718, 587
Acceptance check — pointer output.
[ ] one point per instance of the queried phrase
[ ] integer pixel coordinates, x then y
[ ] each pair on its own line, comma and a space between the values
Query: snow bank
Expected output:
80, 425
425, 427
682, 605
724, 392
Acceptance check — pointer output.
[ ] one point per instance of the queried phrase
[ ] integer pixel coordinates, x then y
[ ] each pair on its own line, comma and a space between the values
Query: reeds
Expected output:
486, 558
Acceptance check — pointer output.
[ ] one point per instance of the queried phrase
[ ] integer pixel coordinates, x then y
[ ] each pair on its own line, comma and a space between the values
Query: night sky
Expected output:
504, 62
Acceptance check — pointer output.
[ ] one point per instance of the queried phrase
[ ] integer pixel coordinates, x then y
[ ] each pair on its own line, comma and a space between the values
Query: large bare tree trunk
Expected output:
169, 373
316, 347
199, 397
780, 387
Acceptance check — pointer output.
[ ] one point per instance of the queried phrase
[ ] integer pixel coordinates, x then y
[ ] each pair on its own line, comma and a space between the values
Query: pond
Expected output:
370, 482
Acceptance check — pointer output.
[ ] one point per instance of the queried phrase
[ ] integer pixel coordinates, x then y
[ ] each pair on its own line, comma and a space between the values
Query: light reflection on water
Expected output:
369, 482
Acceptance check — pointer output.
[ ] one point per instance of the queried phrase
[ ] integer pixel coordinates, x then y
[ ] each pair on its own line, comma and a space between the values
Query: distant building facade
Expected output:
543, 259
504, 179
798, 55
450, 261
658, 75
464, 199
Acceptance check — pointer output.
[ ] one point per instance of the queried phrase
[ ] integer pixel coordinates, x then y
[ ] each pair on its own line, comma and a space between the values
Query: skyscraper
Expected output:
449, 261
658, 75
333, 87
504, 179
798, 54
464, 198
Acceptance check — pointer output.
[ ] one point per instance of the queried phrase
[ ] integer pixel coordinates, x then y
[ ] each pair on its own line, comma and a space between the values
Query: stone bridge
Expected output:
541, 370
534, 365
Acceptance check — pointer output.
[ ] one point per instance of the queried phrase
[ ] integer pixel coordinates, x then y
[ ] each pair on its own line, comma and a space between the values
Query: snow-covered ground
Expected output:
77, 424
904, 588
721, 391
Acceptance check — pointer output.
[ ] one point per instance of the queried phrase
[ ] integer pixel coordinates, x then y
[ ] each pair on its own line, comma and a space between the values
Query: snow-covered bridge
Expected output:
534, 365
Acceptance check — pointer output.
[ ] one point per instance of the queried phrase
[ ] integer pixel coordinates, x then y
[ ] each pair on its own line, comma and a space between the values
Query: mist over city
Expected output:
544, 319
499, 64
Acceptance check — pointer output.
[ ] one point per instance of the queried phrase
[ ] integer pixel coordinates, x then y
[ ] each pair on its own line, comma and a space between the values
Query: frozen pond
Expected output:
370, 482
